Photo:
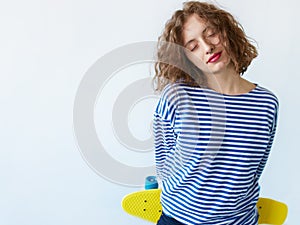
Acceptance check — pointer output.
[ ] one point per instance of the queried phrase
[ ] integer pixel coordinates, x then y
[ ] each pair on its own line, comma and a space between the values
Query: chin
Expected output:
218, 69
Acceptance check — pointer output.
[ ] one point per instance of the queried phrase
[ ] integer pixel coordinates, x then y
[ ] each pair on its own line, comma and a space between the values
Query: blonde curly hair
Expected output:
236, 44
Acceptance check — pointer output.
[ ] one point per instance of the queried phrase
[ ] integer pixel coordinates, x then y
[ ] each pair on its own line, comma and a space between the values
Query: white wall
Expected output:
45, 50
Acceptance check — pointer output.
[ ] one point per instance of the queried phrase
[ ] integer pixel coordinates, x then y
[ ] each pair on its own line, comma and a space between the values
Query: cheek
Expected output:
196, 59
192, 57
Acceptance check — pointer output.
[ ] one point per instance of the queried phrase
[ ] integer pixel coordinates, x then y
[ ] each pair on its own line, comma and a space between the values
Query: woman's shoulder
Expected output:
177, 87
173, 92
267, 93
171, 89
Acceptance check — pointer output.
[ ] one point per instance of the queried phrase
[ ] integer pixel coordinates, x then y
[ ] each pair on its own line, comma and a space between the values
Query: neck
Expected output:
228, 82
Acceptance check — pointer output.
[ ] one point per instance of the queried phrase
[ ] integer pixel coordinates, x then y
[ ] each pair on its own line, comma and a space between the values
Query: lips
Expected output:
214, 57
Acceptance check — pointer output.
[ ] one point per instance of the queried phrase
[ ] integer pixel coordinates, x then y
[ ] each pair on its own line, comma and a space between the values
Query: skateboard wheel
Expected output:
151, 183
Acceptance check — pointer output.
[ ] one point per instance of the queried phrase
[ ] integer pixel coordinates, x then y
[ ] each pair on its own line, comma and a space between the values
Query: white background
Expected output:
47, 46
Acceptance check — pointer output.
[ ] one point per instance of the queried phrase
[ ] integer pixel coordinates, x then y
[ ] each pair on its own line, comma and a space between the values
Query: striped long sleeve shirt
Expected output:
210, 150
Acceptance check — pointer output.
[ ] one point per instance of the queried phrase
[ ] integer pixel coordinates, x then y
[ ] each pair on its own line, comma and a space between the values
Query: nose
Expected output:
208, 47
210, 50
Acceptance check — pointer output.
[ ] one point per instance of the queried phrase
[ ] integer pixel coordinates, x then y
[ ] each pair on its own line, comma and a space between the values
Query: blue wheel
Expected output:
151, 183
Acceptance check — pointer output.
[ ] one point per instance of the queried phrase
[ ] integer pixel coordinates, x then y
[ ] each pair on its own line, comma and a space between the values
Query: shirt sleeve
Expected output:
269, 146
164, 135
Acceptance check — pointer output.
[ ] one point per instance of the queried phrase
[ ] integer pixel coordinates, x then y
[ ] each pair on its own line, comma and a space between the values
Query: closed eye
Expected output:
194, 48
211, 34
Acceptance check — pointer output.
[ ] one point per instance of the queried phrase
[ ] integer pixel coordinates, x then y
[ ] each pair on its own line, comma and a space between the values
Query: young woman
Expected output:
213, 129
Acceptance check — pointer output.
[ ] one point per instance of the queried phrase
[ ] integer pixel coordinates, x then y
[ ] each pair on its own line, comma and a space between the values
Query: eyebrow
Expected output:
205, 29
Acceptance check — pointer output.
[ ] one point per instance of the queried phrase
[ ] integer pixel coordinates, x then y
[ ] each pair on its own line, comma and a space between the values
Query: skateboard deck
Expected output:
271, 211
146, 205
143, 204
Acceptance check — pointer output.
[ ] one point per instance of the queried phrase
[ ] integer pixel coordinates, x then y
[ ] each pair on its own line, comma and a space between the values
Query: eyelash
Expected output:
194, 48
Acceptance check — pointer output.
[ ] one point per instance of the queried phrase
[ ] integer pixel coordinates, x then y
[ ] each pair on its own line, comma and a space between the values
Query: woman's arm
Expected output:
271, 140
163, 132
164, 141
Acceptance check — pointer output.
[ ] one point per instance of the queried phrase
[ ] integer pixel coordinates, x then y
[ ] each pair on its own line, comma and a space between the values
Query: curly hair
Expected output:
236, 44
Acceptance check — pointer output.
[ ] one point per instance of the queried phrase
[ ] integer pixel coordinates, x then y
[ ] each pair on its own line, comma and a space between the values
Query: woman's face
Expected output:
203, 46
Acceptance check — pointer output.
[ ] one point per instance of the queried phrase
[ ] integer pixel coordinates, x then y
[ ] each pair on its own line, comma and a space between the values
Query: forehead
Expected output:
193, 25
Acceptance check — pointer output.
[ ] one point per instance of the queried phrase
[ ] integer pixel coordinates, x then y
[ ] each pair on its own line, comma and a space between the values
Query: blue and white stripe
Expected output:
210, 151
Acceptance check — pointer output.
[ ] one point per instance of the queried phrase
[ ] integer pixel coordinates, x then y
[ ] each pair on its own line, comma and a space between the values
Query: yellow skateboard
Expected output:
146, 205
143, 204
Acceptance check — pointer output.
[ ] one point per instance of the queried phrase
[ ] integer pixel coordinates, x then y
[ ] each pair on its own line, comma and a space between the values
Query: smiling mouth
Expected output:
214, 57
